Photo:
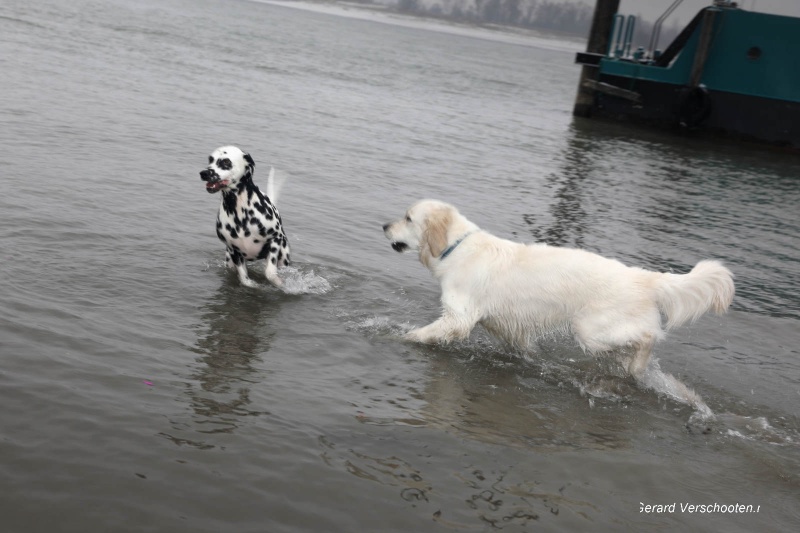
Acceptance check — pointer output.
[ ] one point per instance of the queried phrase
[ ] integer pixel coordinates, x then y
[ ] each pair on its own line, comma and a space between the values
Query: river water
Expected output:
143, 389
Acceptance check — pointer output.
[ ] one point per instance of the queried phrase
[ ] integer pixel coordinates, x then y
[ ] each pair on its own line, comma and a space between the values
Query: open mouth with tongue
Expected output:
214, 181
214, 186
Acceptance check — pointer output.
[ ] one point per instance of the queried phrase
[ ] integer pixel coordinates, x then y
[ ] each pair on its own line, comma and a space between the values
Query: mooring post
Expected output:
703, 47
603, 20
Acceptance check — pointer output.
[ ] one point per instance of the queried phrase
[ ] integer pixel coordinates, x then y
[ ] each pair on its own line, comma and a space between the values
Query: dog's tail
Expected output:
274, 184
686, 297
271, 185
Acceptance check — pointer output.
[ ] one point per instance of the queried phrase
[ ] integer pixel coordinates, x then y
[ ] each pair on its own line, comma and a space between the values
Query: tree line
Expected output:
568, 17
571, 17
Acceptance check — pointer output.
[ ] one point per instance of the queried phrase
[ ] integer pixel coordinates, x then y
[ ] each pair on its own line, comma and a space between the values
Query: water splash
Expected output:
754, 429
661, 382
297, 281
377, 326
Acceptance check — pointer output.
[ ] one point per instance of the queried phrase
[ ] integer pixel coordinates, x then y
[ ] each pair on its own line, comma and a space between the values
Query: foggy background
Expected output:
573, 17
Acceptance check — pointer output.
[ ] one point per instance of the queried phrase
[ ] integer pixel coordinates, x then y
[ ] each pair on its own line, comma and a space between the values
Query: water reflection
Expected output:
567, 228
663, 202
560, 400
478, 396
505, 400
457, 492
237, 332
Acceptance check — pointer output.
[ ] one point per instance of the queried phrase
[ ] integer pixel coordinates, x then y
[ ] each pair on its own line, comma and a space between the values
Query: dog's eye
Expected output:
210, 159
408, 218
224, 164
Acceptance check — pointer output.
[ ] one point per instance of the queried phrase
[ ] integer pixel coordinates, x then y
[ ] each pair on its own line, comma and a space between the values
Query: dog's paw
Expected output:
411, 336
276, 281
418, 335
249, 283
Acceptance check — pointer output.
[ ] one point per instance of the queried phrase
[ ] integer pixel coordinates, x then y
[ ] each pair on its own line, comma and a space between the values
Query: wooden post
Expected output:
599, 35
703, 47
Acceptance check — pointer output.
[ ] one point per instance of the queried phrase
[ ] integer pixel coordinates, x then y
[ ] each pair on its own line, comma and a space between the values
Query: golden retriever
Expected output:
520, 292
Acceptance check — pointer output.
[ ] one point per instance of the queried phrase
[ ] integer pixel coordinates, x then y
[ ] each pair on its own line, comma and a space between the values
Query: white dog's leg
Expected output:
446, 329
271, 271
640, 359
454, 324
228, 260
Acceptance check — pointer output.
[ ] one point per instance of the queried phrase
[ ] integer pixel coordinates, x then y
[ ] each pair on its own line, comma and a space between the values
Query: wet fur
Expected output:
521, 292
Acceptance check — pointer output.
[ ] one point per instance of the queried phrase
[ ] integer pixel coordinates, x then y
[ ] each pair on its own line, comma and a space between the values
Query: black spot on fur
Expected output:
224, 164
229, 202
236, 256
210, 159
250, 162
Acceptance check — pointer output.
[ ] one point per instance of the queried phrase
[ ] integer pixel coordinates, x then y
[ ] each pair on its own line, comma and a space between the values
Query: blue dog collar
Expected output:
452, 247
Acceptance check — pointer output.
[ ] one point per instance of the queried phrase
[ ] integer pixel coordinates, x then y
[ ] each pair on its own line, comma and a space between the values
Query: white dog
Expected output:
520, 292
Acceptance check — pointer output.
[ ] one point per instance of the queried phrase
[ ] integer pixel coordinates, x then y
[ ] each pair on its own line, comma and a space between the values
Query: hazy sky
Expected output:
652, 9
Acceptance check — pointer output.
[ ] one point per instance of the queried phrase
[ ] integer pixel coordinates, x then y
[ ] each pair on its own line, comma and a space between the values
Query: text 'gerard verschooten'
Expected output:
691, 508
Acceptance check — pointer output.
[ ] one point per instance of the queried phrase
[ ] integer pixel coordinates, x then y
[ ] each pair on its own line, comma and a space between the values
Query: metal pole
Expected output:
603, 20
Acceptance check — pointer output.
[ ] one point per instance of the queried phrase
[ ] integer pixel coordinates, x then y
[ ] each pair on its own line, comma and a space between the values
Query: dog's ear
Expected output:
434, 237
251, 165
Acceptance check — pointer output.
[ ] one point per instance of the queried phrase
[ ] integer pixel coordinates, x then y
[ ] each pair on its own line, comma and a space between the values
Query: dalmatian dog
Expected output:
247, 222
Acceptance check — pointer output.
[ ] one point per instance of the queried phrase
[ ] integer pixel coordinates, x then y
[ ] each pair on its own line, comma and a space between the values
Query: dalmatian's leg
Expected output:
241, 269
240, 263
273, 257
271, 271
228, 260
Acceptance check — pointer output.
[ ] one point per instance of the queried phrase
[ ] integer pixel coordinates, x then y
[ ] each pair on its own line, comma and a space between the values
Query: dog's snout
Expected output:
209, 174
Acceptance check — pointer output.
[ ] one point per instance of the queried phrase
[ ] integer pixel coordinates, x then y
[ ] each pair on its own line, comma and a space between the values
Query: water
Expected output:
142, 389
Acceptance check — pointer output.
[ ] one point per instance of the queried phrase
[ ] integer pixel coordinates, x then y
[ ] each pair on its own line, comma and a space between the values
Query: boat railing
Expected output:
651, 50
619, 46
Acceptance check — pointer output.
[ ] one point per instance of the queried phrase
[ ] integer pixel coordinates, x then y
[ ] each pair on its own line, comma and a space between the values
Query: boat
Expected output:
730, 73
